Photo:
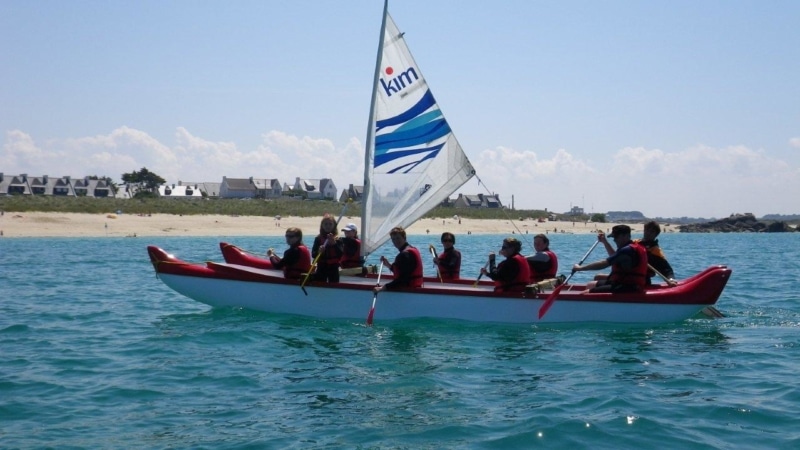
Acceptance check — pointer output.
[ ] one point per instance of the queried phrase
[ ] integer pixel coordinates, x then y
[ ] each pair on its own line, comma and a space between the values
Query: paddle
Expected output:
374, 297
552, 297
475, 284
712, 312
321, 249
709, 311
433, 253
662, 276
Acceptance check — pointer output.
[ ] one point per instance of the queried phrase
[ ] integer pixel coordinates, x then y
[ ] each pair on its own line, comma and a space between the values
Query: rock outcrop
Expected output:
738, 223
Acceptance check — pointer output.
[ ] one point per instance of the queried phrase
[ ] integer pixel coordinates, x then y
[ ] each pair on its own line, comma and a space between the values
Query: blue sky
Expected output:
679, 108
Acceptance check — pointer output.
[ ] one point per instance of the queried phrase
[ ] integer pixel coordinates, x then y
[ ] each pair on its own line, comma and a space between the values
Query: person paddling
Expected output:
352, 248
628, 264
327, 250
655, 256
512, 274
407, 265
449, 261
296, 259
543, 264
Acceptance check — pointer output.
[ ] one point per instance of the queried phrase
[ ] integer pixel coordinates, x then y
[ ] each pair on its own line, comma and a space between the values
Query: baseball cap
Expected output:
350, 227
618, 230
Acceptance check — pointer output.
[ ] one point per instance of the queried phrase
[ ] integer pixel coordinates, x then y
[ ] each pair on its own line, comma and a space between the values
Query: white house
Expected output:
179, 191
315, 189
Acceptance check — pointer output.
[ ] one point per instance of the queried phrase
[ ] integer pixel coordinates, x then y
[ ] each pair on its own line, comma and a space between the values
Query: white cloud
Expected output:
699, 181
535, 182
189, 158
795, 142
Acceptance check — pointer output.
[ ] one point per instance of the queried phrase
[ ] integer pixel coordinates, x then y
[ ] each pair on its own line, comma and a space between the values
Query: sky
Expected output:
674, 109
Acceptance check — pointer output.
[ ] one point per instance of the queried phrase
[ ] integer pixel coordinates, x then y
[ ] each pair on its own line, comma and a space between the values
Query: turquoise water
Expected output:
95, 352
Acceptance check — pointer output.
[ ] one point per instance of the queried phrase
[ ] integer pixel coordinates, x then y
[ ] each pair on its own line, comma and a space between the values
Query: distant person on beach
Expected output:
449, 261
628, 264
544, 263
327, 251
512, 274
352, 248
656, 257
296, 259
407, 265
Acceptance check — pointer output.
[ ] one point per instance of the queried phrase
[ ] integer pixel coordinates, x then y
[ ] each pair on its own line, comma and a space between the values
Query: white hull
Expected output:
345, 303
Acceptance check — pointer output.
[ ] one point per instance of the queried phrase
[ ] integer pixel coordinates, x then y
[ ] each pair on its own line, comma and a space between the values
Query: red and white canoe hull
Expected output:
235, 255
233, 285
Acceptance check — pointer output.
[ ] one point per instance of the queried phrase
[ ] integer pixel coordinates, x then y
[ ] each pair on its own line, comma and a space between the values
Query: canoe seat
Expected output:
544, 285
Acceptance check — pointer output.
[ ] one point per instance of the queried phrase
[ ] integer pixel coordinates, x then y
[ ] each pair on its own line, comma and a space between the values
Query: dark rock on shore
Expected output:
738, 223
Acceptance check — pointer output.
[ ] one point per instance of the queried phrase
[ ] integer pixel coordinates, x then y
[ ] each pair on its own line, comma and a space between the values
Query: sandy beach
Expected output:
49, 224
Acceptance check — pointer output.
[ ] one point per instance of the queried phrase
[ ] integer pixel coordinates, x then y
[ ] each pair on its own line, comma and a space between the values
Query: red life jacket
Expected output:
520, 281
450, 273
351, 259
549, 272
635, 276
330, 256
416, 275
303, 265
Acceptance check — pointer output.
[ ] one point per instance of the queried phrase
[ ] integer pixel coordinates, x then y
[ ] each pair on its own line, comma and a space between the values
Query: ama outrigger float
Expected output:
412, 163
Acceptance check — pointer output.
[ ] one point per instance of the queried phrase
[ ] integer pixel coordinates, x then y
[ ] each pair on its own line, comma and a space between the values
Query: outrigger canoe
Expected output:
222, 285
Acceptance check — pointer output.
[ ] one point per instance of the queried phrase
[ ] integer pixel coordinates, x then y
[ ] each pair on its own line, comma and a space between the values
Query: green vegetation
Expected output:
250, 207
148, 182
598, 218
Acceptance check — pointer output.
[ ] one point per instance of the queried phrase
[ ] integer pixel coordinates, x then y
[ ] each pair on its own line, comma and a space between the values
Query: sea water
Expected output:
96, 352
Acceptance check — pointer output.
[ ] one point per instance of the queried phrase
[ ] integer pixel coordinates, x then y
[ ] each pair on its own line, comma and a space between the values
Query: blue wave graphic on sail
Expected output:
419, 125
427, 153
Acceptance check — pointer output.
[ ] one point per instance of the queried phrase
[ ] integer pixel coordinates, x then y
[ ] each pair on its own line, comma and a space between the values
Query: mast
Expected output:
369, 155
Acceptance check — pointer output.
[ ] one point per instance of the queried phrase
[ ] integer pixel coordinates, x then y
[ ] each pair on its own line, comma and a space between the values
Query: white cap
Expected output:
350, 227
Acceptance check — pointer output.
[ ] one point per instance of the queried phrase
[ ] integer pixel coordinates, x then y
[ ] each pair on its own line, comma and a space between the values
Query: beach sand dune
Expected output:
49, 224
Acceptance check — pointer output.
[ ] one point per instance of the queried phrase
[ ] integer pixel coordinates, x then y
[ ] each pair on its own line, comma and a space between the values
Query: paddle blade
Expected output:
370, 315
372, 310
550, 300
712, 312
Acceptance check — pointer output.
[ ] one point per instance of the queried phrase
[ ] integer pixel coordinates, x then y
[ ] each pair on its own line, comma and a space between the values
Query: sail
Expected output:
413, 161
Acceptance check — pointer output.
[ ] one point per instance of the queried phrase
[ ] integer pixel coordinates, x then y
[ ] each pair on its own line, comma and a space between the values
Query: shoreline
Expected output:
51, 224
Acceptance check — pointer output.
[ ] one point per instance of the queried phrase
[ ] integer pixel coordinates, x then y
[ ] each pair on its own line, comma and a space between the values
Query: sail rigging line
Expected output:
528, 238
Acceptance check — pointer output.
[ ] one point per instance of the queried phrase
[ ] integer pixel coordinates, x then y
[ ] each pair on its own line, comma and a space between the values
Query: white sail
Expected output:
413, 161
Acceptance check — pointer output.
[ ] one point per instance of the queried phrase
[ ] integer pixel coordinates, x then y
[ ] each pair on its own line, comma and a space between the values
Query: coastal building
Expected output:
250, 188
477, 201
179, 191
207, 188
318, 189
45, 185
355, 193
92, 188
267, 187
236, 188
575, 211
